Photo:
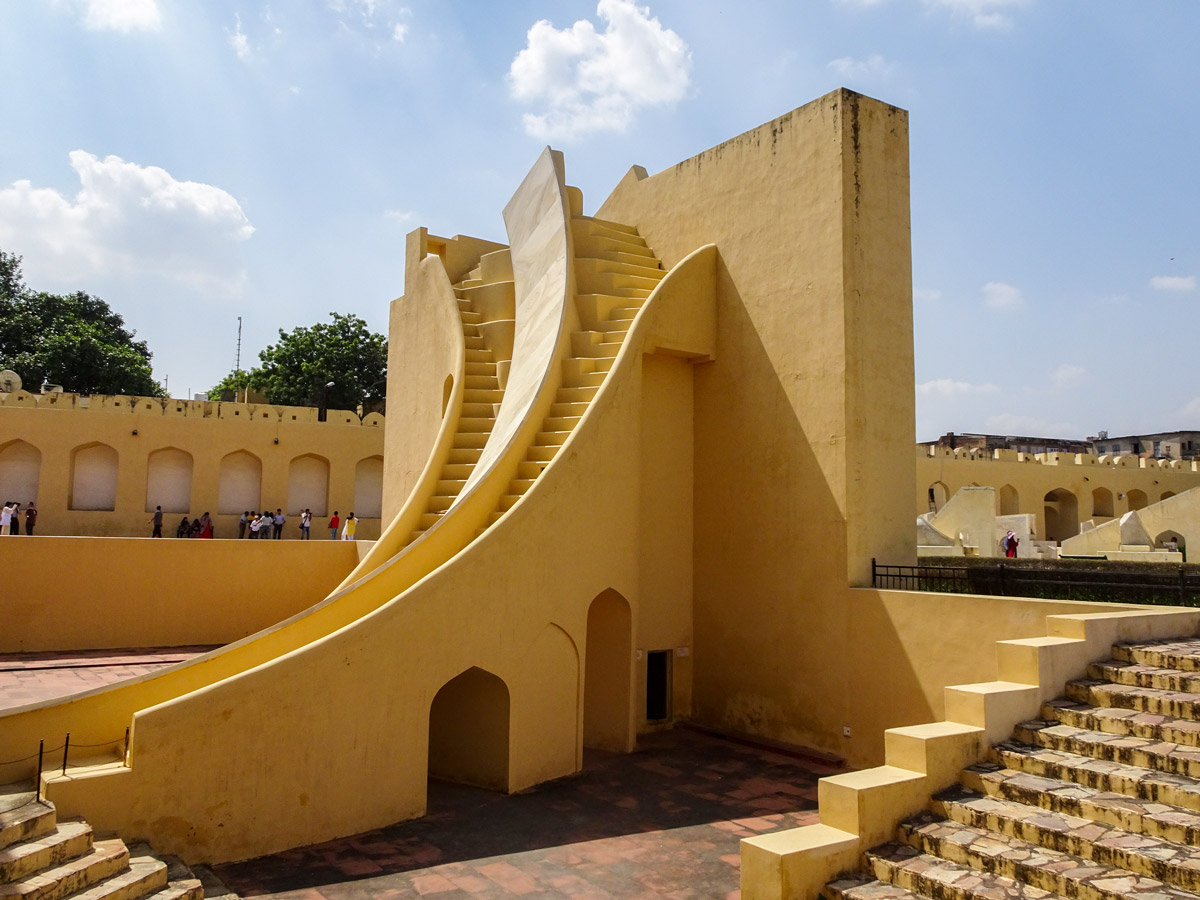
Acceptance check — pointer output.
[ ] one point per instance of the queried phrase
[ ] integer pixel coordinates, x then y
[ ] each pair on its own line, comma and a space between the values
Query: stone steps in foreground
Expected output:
1166, 756
1173, 654
1179, 704
1138, 675
1042, 867
906, 867
1096, 842
1123, 811
1118, 720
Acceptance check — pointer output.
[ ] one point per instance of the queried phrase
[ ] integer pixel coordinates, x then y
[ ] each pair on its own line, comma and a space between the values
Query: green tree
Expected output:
75, 340
339, 364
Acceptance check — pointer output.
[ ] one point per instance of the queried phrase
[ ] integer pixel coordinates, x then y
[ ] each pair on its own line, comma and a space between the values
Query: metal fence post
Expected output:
66, 749
41, 750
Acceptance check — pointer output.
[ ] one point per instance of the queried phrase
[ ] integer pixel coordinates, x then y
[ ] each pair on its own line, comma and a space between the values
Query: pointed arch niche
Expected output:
93, 477
608, 674
239, 486
308, 485
368, 488
20, 471
169, 480
468, 731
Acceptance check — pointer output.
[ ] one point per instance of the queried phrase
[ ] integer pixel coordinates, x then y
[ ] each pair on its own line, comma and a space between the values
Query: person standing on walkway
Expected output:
334, 522
277, 524
16, 517
305, 524
156, 520
206, 526
6, 517
30, 517
350, 527
242, 523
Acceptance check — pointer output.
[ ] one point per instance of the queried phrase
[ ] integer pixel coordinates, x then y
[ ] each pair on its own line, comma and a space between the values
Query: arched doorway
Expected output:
468, 731
93, 477
239, 485
1007, 501
368, 488
1102, 502
308, 485
169, 480
937, 496
1136, 499
1160, 542
1166, 494
1061, 511
607, 674
20, 472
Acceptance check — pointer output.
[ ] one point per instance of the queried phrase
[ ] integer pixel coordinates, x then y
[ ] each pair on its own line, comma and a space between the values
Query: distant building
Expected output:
1019, 443
1162, 445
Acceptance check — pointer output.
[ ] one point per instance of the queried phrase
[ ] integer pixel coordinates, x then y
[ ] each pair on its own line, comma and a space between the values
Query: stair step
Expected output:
482, 356
610, 225
470, 440
1130, 813
1140, 675
1118, 720
1141, 782
25, 821
480, 368
1041, 867
519, 486
450, 487
1097, 842
470, 316
464, 455
471, 330
543, 454
604, 365
481, 382
71, 838
184, 889
575, 395
560, 423
457, 471
475, 341
1152, 700
551, 438
559, 410
413, 535
478, 411
428, 520
927, 876
472, 425
104, 860
619, 264
1166, 756
145, 875
1183, 655
492, 395
439, 503
508, 501
865, 887
614, 327
530, 469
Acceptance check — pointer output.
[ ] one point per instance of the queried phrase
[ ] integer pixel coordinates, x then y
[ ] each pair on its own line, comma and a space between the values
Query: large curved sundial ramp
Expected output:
256, 748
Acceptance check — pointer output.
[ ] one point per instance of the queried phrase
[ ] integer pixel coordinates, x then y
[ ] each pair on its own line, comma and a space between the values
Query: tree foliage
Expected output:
75, 340
339, 364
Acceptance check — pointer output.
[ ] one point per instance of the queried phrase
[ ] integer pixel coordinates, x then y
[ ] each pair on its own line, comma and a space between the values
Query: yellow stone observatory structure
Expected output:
646, 459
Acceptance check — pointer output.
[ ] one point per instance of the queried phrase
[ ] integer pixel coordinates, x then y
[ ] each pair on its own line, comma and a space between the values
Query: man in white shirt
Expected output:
6, 517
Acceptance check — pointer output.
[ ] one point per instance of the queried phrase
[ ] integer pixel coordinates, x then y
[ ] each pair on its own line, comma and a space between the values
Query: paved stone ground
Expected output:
663, 822
32, 677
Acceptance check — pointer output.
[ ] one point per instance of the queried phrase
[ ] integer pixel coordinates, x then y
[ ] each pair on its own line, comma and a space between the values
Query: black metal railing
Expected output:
1174, 586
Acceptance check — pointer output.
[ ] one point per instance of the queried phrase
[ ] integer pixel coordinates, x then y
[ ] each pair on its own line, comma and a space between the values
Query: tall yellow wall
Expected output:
58, 432
83, 594
803, 445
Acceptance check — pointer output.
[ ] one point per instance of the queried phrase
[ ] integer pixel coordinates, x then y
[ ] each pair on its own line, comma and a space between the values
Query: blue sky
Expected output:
193, 162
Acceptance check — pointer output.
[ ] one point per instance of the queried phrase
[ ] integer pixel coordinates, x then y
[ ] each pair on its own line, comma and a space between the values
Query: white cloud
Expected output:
122, 15
378, 18
1068, 375
1029, 426
127, 219
590, 81
873, 68
238, 40
998, 295
983, 13
927, 295
399, 32
402, 216
948, 387
1173, 283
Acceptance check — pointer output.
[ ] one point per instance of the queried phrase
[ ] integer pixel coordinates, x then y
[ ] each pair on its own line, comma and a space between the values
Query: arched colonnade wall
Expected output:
1072, 487
102, 470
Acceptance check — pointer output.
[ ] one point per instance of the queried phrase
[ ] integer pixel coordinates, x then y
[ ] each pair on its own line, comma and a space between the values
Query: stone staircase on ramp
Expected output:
42, 858
1097, 800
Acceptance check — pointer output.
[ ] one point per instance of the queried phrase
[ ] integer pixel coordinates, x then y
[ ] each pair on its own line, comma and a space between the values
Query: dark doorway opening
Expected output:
658, 685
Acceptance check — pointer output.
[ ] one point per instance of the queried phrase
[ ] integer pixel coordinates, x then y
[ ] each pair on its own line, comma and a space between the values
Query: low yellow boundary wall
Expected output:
80, 593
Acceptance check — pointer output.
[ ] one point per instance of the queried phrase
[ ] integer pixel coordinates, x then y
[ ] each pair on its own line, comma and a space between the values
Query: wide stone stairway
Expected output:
42, 858
1097, 800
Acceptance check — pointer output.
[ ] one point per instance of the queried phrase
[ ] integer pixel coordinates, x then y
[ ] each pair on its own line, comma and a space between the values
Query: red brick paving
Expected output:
662, 823
33, 677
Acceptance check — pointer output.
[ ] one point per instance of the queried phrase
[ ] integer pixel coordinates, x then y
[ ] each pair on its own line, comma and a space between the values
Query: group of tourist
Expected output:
10, 517
269, 526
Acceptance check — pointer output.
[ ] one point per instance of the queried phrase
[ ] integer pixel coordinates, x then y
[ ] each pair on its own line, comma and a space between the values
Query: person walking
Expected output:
334, 522
156, 520
242, 523
305, 524
30, 517
277, 524
350, 527
6, 517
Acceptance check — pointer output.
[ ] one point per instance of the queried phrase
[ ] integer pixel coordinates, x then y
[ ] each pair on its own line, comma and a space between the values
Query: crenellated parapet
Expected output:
191, 409
983, 455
